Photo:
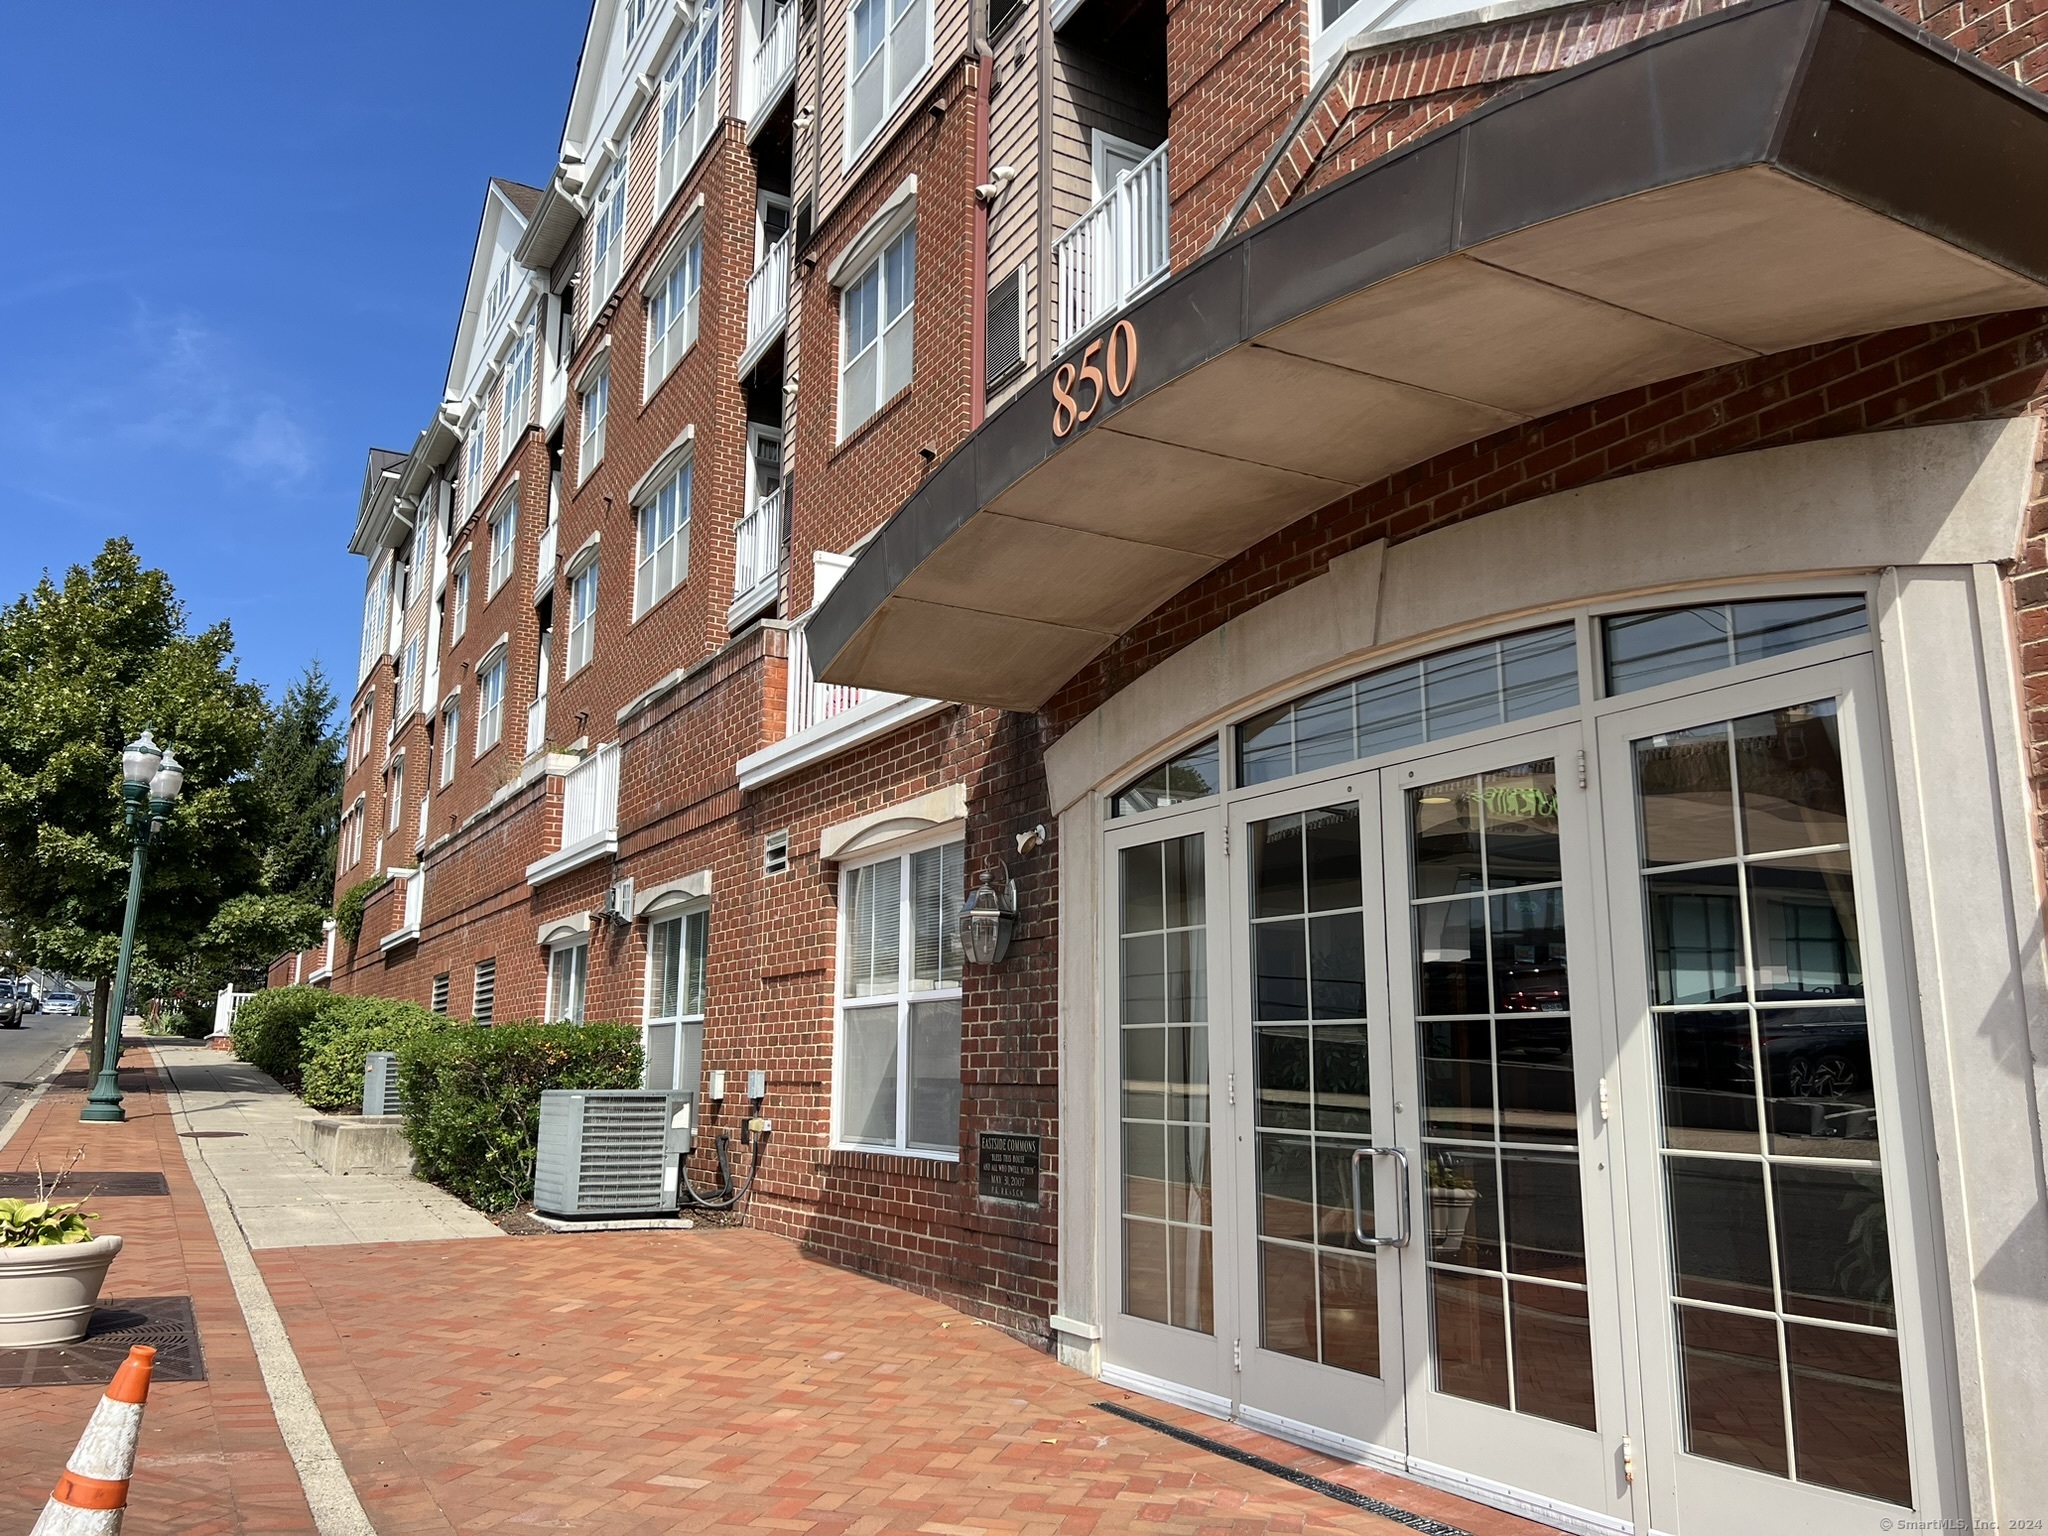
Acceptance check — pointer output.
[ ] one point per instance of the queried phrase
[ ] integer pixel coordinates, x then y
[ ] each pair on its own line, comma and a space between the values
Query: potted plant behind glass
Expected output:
1452, 1194
51, 1268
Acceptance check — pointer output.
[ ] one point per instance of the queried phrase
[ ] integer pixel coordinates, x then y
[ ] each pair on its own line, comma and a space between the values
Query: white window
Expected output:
473, 465
501, 288
672, 314
676, 948
458, 598
394, 793
608, 232
899, 1012
582, 618
689, 101
451, 732
887, 44
597, 395
518, 402
490, 703
352, 835
504, 527
376, 615
664, 542
877, 310
637, 12
568, 970
418, 563
408, 681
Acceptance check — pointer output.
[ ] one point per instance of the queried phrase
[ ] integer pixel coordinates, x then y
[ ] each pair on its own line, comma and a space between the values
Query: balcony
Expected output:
544, 571
757, 559
773, 66
590, 816
415, 883
824, 719
767, 303
1116, 250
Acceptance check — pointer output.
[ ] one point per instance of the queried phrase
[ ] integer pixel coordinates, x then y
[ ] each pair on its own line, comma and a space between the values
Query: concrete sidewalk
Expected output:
241, 1124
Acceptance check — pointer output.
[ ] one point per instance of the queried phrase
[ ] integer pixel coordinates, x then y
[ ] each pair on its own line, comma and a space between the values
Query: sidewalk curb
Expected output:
329, 1494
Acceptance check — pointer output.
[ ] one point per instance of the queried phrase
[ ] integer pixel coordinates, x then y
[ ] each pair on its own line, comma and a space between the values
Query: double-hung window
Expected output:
582, 616
458, 598
689, 101
672, 306
451, 732
608, 231
568, 971
518, 388
887, 45
408, 682
504, 527
675, 993
394, 793
877, 313
664, 558
473, 465
490, 702
597, 398
899, 1012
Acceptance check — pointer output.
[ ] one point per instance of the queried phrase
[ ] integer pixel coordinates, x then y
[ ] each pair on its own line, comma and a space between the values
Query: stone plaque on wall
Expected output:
1009, 1167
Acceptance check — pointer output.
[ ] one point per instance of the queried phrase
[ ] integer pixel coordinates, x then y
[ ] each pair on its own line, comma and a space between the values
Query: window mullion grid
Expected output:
906, 951
1500, 1182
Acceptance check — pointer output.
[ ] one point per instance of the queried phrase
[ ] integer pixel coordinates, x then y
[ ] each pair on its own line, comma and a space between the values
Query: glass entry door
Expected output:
1512, 1338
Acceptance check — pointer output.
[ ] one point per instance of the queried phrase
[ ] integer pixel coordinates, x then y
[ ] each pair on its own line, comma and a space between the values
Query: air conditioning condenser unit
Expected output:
611, 1152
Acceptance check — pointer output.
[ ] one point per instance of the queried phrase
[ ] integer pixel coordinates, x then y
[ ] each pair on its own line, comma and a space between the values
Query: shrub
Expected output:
472, 1098
348, 912
338, 1038
266, 1030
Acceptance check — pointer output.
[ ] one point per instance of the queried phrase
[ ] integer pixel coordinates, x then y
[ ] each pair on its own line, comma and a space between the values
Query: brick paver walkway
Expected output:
656, 1382
211, 1458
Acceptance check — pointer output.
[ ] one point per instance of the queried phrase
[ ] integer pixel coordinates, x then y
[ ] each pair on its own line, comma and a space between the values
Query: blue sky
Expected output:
231, 263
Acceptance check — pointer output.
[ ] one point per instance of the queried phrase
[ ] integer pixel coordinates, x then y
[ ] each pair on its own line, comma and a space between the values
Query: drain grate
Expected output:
163, 1321
84, 1184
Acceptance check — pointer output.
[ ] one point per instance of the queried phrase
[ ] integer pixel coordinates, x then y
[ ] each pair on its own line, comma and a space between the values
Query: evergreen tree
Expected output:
298, 775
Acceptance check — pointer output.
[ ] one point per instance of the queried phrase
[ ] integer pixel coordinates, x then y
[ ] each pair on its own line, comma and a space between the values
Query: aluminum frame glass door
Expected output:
1782, 1218
1172, 1300
1514, 1338
1311, 1076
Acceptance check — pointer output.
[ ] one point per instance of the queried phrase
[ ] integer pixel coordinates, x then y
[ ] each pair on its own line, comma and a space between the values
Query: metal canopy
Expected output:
1771, 176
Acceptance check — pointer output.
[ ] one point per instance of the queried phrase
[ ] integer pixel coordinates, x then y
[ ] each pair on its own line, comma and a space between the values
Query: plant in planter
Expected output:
51, 1268
1452, 1194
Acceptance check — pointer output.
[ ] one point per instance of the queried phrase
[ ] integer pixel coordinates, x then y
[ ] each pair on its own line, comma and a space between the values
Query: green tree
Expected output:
84, 665
298, 775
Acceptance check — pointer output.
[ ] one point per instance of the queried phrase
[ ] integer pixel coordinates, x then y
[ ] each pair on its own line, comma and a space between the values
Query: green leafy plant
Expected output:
41, 1222
348, 912
342, 1034
267, 1030
472, 1098
1445, 1174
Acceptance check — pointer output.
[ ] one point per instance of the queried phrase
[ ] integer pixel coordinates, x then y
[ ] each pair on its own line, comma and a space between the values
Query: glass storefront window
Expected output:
1644, 650
1194, 775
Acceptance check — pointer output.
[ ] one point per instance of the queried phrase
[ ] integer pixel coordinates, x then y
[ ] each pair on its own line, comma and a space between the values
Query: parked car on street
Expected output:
65, 1003
13, 1006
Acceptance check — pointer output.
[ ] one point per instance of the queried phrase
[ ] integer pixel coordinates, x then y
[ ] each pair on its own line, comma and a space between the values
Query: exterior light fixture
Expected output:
988, 919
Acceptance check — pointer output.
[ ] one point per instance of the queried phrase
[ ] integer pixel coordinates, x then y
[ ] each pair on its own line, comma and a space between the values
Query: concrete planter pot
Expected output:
47, 1294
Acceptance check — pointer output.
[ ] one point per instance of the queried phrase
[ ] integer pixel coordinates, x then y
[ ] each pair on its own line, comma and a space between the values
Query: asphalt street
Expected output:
27, 1054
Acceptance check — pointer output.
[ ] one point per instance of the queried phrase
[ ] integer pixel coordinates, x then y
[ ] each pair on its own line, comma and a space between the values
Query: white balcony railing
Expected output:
415, 899
536, 724
810, 701
544, 572
757, 559
1116, 249
590, 798
767, 301
774, 62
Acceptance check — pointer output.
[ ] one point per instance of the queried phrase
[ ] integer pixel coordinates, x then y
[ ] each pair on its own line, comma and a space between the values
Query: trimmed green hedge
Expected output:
335, 1042
267, 1029
472, 1098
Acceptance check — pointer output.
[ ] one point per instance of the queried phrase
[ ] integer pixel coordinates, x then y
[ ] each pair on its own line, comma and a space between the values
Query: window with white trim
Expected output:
887, 45
408, 682
458, 598
664, 557
898, 1062
568, 972
501, 288
376, 614
361, 725
518, 401
637, 12
451, 732
504, 529
352, 835
473, 465
877, 311
419, 563
582, 618
676, 947
608, 232
394, 793
689, 101
597, 395
672, 308
490, 702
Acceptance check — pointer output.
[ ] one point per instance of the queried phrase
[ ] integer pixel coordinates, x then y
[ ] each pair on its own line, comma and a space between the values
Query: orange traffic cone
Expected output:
93, 1492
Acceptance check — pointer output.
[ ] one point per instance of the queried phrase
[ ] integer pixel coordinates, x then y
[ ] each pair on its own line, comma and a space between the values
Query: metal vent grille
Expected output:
619, 1167
486, 990
1005, 327
440, 1002
775, 853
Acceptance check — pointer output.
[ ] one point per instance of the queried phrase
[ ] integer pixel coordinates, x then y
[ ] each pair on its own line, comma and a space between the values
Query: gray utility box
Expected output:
380, 1084
612, 1151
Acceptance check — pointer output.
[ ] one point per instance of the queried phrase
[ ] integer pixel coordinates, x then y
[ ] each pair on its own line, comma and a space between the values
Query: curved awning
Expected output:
1766, 177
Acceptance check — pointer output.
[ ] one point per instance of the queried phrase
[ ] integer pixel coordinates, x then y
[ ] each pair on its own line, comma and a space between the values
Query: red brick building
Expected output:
1476, 574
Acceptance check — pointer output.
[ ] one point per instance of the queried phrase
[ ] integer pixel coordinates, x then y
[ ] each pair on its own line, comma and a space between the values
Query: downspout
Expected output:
984, 78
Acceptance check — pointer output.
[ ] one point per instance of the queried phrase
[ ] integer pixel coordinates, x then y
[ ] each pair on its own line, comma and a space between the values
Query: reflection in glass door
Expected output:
1781, 1280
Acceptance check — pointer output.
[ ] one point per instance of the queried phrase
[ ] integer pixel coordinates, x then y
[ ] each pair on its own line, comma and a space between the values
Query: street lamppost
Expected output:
150, 782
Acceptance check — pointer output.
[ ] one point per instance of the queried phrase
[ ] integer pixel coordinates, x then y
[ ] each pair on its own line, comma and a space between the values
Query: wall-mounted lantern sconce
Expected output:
988, 919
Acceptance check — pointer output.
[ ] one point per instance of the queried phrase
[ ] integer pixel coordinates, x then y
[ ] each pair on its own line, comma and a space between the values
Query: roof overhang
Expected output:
380, 523
1778, 174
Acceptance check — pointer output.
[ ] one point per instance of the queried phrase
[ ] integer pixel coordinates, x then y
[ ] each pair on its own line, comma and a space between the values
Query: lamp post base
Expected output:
104, 1103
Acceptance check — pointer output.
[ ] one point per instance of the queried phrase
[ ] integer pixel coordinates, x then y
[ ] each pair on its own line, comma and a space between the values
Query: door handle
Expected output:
1372, 1240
